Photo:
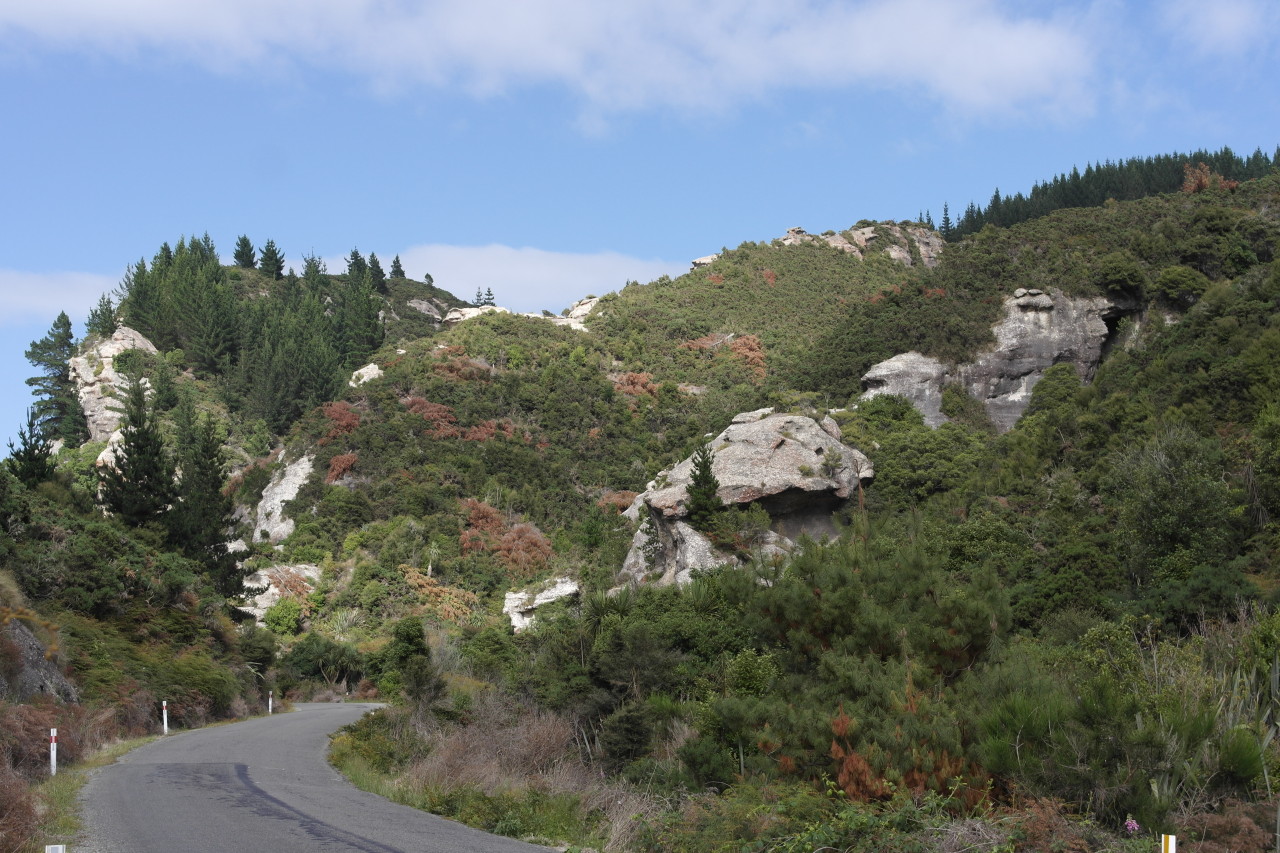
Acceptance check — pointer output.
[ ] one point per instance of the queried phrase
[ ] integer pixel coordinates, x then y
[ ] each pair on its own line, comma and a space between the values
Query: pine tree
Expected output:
245, 255
356, 265
102, 318
201, 515
271, 261
488, 297
397, 271
377, 277
479, 300
58, 413
704, 502
31, 462
139, 486
947, 228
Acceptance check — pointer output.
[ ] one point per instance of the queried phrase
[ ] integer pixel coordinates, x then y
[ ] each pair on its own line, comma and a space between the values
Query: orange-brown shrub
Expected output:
617, 501
439, 417
750, 351
339, 466
636, 384
1237, 828
524, 550
343, 420
485, 527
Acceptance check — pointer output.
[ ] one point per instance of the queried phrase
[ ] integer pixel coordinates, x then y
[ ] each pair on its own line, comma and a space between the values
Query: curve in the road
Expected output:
259, 785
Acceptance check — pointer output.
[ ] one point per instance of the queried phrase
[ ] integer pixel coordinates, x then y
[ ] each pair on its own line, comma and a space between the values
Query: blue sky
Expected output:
552, 148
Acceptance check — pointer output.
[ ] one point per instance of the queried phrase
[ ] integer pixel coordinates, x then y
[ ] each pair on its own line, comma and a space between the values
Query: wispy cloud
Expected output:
976, 56
29, 296
1225, 29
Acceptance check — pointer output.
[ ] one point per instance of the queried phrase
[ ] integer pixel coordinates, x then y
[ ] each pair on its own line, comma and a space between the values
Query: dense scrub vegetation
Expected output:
1025, 641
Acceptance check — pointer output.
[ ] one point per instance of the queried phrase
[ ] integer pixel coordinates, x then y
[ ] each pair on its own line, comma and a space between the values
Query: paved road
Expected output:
259, 785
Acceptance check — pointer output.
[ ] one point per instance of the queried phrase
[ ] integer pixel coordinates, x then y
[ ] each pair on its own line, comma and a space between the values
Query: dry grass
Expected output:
508, 749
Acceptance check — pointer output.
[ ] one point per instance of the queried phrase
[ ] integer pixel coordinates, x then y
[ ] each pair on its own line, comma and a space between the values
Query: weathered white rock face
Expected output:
458, 315
431, 307
890, 238
98, 384
364, 374
793, 466
704, 261
574, 319
279, 581
519, 606
270, 518
1038, 331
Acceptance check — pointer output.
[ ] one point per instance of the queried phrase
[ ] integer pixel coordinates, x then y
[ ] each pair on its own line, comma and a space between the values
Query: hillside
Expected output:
1009, 631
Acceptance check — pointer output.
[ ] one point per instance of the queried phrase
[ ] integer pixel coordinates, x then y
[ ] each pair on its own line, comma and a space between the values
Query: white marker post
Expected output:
164, 714
270, 697
55, 848
1168, 844
53, 752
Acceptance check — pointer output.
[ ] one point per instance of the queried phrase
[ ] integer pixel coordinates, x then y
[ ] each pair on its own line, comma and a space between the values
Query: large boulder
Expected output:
1038, 330
519, 606
792, 466
98, 384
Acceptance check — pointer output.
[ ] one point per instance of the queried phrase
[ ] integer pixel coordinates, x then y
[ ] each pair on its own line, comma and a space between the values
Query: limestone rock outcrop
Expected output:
519, 606
893, 239
574, 317
277, 582
365, 374
99, 386
1038, 331
792, 466
433, 308
269, 522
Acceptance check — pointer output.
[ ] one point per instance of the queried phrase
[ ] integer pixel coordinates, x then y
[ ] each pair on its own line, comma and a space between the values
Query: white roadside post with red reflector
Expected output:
53, 752
164, 713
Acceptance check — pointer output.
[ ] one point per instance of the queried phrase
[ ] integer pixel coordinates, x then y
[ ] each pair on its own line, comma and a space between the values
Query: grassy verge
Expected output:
529, 813
59, 809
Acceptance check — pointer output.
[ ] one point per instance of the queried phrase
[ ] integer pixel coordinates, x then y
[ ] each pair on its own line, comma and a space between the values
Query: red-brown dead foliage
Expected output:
485, 527
706, 342
524, 550
441, 420
343, 420
715, 278
636, 385
18, 815
463, 369
1237, 828
1198, 178
750, 351
770, 277
339, 466
617, 501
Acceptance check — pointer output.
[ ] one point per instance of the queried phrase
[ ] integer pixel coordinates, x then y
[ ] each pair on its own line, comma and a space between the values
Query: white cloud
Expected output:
31, 296
528, 279
974, 56
1227, 28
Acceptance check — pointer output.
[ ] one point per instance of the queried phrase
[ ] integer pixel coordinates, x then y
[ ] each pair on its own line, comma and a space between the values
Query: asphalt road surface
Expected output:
258, 785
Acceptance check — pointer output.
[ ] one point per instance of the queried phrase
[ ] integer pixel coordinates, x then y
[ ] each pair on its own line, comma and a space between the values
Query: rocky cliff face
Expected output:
99, 386
892, 239
574, 318
26, 670
1038, 331
794, 467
